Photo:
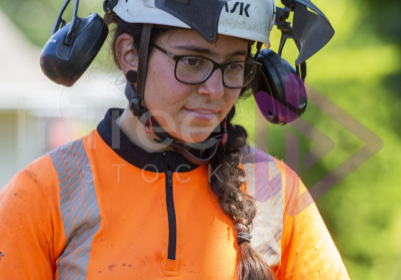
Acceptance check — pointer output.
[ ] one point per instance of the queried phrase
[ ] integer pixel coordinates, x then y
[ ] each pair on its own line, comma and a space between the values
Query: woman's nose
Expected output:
213, 87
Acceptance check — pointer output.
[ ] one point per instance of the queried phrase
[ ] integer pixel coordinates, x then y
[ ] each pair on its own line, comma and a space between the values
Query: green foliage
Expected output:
359, 70
382, 17
36, 17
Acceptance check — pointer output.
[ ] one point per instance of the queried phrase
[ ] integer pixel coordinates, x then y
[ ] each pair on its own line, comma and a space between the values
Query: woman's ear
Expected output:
126, 55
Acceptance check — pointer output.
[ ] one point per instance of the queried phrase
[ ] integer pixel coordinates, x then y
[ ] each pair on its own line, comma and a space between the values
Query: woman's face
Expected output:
190, 112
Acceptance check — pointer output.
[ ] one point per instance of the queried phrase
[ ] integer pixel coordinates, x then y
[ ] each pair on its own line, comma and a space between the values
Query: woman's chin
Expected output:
195, 138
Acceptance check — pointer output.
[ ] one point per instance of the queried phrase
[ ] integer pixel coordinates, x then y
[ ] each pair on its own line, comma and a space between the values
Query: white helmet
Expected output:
251, 20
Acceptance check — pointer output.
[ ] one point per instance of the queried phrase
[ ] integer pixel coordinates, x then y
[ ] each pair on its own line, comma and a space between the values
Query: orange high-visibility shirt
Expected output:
103, 208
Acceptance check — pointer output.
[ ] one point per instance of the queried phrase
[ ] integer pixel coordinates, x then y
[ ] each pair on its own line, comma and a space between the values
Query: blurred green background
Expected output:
360, 71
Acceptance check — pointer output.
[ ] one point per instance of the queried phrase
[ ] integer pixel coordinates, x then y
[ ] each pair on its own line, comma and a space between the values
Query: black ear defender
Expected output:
72, 47
281, 95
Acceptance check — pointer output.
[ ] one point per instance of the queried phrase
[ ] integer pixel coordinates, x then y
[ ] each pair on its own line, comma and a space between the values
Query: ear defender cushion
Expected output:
282, 96
64, 64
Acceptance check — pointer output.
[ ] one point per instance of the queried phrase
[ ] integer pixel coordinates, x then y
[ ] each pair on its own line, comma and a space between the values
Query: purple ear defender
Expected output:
295, 96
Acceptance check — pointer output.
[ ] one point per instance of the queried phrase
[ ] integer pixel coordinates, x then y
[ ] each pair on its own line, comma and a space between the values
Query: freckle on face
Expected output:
163, 93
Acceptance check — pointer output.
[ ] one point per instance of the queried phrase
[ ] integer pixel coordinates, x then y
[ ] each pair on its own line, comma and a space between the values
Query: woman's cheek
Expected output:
157, 92
166, 98
229, 100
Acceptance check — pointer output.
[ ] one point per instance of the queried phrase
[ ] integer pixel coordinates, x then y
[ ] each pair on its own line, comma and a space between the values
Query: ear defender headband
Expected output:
281, 96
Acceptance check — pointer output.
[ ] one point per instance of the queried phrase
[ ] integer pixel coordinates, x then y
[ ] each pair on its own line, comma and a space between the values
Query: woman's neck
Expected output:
134, 130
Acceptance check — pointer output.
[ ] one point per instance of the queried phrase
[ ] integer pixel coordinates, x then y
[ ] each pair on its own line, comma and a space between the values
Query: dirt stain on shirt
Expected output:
111, 267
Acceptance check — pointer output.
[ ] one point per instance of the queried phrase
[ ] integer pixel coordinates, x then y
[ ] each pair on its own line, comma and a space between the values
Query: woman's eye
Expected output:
192, 61
235, 66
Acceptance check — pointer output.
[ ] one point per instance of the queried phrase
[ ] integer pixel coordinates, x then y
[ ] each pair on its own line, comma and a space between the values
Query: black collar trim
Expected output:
115, 138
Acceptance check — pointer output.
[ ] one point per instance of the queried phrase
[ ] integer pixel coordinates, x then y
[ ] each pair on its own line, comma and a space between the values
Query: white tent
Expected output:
21, 78
29, 101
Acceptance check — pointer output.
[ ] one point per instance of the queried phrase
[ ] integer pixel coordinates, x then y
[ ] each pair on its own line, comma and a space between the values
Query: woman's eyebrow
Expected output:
210, 52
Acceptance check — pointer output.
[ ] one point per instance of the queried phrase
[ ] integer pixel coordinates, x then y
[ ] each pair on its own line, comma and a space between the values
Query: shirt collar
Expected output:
115, 138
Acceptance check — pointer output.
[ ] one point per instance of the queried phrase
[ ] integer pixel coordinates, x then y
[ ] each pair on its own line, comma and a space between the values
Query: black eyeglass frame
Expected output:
216, 65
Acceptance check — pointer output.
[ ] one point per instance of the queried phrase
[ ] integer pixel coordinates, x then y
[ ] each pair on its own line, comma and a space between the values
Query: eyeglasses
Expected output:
194, 70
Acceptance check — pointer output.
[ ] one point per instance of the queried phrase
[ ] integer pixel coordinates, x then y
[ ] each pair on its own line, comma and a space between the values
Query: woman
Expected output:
151, 197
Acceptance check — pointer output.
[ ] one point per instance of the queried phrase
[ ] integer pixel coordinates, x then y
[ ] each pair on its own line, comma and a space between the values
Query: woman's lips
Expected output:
202, 114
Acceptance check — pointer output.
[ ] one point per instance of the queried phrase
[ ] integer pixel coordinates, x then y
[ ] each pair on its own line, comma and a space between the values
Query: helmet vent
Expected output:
202, 16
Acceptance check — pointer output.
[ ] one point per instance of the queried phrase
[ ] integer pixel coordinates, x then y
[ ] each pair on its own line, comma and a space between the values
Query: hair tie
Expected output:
244, 237
225, 133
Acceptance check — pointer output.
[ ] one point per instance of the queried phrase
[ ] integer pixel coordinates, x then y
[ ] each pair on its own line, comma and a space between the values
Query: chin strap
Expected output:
184, 150
135, 102
207, 149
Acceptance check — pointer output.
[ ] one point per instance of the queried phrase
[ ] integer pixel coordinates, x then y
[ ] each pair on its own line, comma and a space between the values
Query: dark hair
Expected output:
228, 177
